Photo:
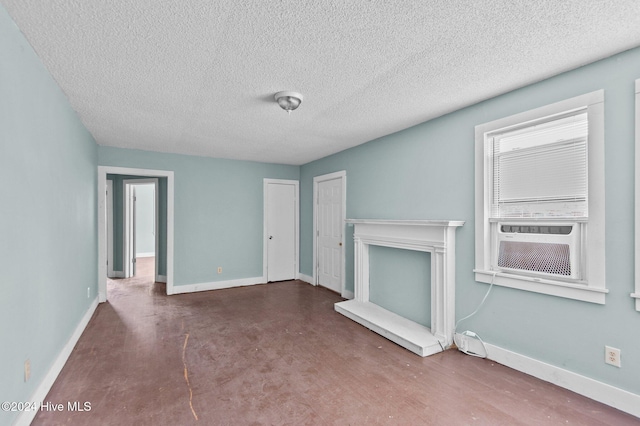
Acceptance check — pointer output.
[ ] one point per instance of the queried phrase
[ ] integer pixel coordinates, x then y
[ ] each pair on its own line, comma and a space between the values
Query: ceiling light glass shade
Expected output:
288, 101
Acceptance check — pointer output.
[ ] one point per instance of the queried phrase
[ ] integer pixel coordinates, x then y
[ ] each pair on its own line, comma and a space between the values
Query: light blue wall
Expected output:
48, 218
427, 172
145, 219
400, 281
218, 211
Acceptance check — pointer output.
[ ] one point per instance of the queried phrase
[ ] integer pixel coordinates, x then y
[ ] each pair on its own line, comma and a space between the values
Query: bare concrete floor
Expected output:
278, 354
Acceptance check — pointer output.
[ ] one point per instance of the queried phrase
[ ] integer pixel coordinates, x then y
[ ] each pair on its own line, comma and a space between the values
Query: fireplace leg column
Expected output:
443, 296
438, 296
361, 272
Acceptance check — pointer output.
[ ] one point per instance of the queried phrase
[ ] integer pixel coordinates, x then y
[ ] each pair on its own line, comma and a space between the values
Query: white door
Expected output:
329, 233
281, 234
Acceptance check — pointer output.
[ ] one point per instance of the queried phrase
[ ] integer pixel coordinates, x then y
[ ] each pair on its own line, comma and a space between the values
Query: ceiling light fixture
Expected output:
288, 101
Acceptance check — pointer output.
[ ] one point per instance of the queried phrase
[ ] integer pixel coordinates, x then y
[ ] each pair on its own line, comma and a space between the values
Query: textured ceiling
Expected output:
198, 76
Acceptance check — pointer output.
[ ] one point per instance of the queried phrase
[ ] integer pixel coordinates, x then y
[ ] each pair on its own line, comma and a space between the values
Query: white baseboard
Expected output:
216, 285
117, 274
150, 254
305, 278
161, 279
598, 391
309, 279
26, 417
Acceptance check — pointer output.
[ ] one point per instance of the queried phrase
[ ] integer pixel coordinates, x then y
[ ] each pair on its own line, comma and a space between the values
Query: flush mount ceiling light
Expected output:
288, 101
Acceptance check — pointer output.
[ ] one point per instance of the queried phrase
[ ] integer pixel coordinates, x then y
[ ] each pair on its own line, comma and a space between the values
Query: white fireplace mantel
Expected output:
434, 236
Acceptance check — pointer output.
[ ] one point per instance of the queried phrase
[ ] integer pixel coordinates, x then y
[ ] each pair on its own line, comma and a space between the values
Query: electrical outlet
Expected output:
219, 269
27, 370
612, 356
88, 292
461, 342
470, 343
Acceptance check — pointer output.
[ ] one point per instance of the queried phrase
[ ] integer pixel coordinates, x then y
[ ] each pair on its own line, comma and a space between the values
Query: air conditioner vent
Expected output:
537, 229
550, 258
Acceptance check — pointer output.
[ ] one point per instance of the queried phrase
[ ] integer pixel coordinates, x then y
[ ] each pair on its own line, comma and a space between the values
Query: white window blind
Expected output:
540, 171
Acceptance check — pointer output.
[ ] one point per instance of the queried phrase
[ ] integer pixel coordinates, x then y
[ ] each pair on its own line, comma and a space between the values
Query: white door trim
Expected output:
102, 255
265, 236
127, 225
109, 218
316, 180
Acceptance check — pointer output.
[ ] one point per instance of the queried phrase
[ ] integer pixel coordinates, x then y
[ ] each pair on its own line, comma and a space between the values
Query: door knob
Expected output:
271, 237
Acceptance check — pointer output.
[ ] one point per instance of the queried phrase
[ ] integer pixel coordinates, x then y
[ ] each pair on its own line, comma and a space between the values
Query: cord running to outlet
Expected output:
462, 347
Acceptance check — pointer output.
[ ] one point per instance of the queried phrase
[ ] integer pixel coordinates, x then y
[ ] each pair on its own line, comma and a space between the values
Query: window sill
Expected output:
544, 286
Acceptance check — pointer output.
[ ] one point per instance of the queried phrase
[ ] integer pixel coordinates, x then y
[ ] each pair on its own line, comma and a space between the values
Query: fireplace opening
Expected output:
400, 281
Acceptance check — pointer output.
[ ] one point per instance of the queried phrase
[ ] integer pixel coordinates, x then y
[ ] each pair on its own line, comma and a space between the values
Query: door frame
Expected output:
109, 229
265, 233
316, 180
102, 252
127, 236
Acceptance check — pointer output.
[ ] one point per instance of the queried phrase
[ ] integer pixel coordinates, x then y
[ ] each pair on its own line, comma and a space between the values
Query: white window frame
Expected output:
592, 287
636, 295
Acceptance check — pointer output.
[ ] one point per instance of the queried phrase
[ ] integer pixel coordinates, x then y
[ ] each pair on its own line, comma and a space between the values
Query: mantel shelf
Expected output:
407, 222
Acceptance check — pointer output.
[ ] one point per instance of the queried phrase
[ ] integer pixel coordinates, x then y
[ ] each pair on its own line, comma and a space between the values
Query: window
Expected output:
540, 200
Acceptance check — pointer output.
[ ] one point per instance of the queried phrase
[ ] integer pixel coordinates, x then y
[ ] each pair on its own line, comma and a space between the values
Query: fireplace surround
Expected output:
434, 236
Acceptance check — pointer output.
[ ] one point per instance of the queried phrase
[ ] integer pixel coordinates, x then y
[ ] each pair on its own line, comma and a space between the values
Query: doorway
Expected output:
281, 229
329, 214
168, 242
140, 230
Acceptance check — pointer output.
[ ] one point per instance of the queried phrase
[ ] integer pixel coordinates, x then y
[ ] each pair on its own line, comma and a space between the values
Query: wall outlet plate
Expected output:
612, 356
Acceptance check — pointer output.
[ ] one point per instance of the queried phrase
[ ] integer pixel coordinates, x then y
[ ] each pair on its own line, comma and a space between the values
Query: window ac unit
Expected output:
547, 249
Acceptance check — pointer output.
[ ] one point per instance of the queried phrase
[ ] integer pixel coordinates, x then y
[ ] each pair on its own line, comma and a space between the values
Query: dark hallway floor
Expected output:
279, 354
